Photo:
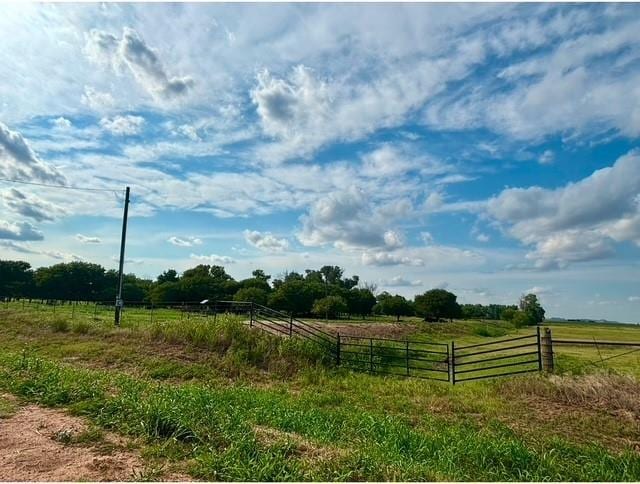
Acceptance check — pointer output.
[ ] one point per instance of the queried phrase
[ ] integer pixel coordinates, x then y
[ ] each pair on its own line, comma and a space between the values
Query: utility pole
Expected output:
119, 302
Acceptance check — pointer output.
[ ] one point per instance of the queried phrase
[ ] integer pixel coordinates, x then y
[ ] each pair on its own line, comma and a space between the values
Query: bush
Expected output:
81, 327
523, 318
59, 325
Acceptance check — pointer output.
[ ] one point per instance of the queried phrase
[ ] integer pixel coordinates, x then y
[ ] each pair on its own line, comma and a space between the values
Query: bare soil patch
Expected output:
32, 448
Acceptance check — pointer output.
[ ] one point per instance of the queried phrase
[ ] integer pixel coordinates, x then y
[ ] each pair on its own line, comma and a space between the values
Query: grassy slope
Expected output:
229, 413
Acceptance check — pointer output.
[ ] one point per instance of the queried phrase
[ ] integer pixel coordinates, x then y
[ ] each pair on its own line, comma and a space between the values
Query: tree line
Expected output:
325, 292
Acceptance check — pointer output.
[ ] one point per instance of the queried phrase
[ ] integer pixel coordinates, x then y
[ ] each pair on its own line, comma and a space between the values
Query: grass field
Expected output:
220, 401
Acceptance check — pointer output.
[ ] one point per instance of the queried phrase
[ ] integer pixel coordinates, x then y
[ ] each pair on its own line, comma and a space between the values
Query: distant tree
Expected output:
523, 318
394, 305
437, 303
72, 280
530, 305
360, 301
330, 306
508, 314
260, 274
252, 294
293, 296
16, 278
168, 276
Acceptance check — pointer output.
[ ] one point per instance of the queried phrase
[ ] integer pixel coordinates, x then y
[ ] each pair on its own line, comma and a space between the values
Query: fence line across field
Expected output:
388, 356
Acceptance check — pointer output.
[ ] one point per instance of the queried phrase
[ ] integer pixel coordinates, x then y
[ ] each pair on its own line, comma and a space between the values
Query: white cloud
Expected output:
381, 258
18, 160
482, 238
213, 259
399, 281
97, 100
184, 241
349, 219
61, 123
578, 222
633, 298
20, 231
132, 53
265, 241
31, 206
86, 239
539, 290
123, 125
546, 158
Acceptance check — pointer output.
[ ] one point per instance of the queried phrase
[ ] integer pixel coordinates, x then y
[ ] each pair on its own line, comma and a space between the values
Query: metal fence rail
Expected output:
395, 357
496, 358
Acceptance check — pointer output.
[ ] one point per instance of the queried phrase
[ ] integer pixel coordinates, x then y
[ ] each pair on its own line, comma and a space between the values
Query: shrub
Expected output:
81, 327
59, 325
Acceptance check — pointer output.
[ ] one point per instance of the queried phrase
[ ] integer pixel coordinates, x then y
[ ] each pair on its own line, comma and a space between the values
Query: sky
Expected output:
489, 149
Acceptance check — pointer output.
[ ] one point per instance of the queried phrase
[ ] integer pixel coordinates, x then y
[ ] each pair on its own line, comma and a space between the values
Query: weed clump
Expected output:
81, 327
59, 325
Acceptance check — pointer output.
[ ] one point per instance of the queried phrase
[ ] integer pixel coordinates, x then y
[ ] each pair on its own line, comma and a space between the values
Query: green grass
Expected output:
216, 428
232, 403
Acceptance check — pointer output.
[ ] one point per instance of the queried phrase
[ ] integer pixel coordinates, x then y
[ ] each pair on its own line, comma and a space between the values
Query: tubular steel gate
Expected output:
504, 357
394, 357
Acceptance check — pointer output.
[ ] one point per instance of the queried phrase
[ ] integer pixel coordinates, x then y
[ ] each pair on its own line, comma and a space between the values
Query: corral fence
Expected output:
410, 358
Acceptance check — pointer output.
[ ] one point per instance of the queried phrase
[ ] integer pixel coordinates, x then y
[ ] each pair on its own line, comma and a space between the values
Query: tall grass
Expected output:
221, 431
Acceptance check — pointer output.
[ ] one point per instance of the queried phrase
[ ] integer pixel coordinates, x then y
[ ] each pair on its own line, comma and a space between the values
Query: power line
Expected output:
66, 187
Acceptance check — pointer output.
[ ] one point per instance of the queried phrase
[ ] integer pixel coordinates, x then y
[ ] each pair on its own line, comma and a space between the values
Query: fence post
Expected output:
546, 349
73, 309
338, 349
251, 318
539, 348
291, 324
371, 355
54, 307
452, 363
407, 357
215, 312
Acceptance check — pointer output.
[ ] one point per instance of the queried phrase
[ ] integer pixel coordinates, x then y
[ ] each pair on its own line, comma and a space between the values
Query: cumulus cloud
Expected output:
213, 259
184, 241
578, 222
123, 125
61, 123
399, 281
381, 258
290, 107
349, 219
97, 100
31, 206
86, 239
21, 231
131, 53
265, 241
19, 161
546, 158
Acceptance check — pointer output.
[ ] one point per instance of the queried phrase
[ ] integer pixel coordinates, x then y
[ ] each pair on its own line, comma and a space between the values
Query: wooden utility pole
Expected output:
119, 302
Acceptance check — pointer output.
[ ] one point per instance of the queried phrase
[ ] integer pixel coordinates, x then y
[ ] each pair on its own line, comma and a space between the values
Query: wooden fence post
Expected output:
291, 324
546, 348
338, 349
251, 316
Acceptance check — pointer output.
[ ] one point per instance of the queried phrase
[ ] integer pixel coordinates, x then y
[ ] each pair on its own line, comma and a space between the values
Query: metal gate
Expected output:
504, 357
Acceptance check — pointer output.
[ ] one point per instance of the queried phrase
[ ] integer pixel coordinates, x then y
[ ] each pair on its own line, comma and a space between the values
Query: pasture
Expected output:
210, 398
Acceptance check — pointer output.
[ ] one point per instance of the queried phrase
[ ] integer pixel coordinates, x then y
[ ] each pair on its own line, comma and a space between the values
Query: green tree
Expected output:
16, 278
360, 301
394, 305
168, 276
72, 281
330, 307
252, 294
508, 314
294, 296
530, 305
523, 318
437, 303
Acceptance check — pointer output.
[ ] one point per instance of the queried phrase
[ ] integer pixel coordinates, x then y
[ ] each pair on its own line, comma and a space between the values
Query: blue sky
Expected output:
488, 149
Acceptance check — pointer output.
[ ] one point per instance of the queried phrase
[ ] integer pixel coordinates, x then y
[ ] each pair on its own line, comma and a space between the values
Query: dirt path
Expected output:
35, 446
